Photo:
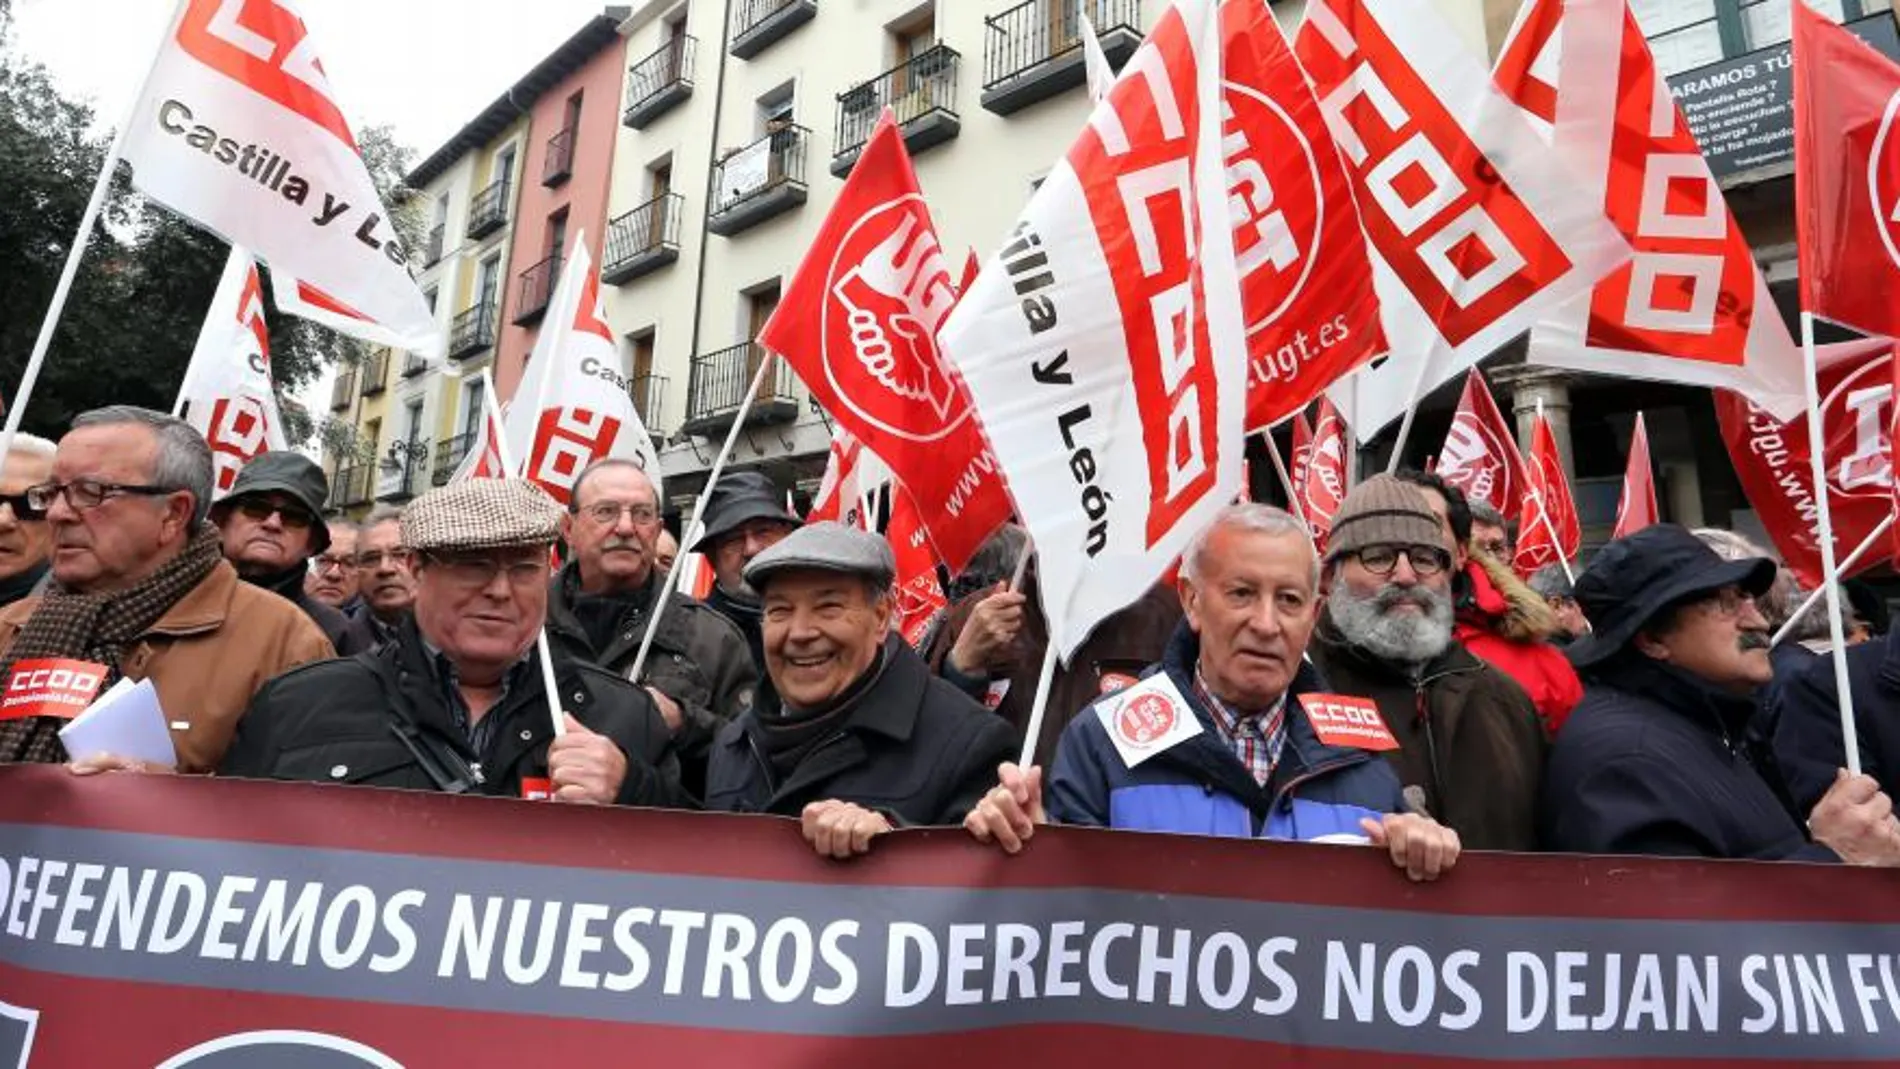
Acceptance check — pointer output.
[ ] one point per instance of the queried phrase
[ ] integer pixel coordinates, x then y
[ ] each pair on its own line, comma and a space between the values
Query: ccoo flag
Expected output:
227, 394
1104, 344
237, 129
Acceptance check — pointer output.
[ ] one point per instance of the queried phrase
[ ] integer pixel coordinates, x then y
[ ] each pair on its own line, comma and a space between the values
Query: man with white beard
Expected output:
1471, 752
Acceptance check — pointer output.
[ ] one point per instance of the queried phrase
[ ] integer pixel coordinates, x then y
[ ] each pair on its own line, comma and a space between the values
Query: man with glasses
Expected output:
25, 542
698, 670
272, 524
383, 575
1658, 758
456, 702
1471, 750
140, 586
332, 578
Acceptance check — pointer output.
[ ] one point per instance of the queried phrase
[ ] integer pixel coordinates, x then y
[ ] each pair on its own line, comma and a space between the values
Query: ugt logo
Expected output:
264, 46
1473, 460
1276, 226
1856, 416
886, 295
565, 440
1883, 182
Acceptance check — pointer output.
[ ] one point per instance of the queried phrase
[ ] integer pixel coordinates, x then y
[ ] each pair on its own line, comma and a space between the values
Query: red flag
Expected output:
919, 596
1480, 453
1305, 275
1847, 176
850, 473
227, 388
971, 265
1636, 509
1547, 527
1322, 485
1772, 461
1302, 448
859, 324
483, 459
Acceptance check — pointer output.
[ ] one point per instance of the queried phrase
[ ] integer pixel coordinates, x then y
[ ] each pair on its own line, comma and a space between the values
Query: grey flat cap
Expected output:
825, 547
481, 514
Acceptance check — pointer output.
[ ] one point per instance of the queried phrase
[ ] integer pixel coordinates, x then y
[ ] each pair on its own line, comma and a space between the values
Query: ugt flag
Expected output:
1321, 483
227, 395
238, 130
1636, 509
918, 595
574, 404
1104, 344
859, 324
1480, 454
1548, 529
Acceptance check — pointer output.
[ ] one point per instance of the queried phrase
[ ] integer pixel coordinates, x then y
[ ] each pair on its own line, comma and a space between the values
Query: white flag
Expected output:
227, 392
1104, 345
575, 402
237, 129
1094, 61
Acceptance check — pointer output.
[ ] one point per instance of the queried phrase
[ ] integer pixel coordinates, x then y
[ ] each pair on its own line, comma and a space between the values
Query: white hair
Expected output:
1248, 516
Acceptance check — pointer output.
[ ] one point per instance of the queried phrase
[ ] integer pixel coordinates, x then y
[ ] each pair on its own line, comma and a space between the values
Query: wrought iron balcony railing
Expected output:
922, 93
489, 210
537, 289
472, 330
659, 81
643, 239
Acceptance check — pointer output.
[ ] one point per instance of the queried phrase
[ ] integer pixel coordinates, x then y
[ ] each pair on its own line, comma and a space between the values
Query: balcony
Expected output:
488, 211
414, 364
658, 82
449, 453
649, 395
756, 24
718, 388
761, 180
1033, 51
432, 252
376, 373
343, 390
472, 330
922, 93
559, 164
645, 239
351, 486
404, 473
537, 289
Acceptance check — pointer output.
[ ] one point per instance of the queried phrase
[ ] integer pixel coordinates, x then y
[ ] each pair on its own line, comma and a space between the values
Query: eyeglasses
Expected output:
1426, 560
22, 508
1498, 549
87, 493
260, 509
480, 570
373, 559
329, 561
1728, 601
607, 513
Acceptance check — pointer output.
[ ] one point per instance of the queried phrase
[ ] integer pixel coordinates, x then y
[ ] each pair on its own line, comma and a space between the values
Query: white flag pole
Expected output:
1556, 540
1411, 409
1286, 481
1817, 593
1830, 572
1043, 680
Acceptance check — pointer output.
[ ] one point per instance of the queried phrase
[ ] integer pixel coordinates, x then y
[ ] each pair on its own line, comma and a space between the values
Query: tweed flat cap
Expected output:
481, 514
1383, 510
825, 547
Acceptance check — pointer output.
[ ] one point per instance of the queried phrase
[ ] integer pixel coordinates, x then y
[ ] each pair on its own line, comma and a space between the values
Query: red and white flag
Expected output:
574, 404
483, 459
859, 324
919, 597
1476, 230
1095, 63
1322, 482
237, 129
696, 572
1548, 529
1480, 455
1305, 275
1302, 453
851, 472
1636, 509
1691, 306
1104, 344
227, 393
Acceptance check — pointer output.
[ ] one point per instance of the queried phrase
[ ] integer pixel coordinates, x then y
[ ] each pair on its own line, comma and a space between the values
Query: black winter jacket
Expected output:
364, 719
1808, 742
912, 747
349, 635
1655, 762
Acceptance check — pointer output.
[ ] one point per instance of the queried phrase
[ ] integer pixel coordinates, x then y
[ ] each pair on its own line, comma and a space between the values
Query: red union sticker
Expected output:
1343, 720
1113, 682
536, 789
51, 686
1147, 719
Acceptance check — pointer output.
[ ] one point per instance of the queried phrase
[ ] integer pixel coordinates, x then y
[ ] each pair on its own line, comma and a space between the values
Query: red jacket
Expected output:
1508, 626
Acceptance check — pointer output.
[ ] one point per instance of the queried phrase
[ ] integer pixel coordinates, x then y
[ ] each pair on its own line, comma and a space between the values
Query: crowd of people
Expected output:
1641, 709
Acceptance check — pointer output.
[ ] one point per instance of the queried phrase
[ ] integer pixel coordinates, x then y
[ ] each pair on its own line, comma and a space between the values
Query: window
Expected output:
429, 295
442, 210
489, 282
572, 116
472, 405
414, 423
504, 168
373, 433
641, 363
1686, 34
660, 178
557, 234
913, 35
760, 304
776, 109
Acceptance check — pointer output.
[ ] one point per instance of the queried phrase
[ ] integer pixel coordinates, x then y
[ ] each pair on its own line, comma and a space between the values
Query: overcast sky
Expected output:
424, 67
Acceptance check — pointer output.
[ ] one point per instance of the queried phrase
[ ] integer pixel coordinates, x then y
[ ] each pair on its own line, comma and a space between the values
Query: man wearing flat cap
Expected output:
745, 515
1471, 749
272, 524
456, 703
859, 737
1657, 758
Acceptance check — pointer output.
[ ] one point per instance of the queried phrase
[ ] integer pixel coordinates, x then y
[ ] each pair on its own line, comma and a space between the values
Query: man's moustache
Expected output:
1753, 640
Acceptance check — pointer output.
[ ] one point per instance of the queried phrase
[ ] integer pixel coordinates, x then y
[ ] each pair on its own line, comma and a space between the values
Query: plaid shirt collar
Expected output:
1257, 739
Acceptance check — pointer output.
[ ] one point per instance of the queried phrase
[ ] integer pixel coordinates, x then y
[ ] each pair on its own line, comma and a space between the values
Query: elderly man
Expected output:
858, 737
666, 550
1250, 590
699, 670
383, 574
1469, 738
456, 703
1489, 532
272, 524
139, 586
1656, 759
745, 515
25, 542
1555, 586
332, 579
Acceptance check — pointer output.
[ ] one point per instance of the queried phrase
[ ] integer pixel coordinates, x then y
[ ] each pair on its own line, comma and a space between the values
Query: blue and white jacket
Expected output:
1200, 787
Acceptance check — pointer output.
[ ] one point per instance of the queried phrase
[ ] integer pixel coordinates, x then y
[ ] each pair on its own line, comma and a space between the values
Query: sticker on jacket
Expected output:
536, 789
1147, 718
1114, 683
1343, 720
993, 697
51, 686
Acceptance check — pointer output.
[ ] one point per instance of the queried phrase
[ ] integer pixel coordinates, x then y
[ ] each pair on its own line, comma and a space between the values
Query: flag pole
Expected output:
699, 511
1043, 680
1286, 481
1817, 593
1830, 572
1556, 540
1411, 410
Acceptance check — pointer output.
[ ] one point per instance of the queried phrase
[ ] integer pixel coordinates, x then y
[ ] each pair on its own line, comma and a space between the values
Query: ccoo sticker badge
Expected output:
1147, 718
1343, 720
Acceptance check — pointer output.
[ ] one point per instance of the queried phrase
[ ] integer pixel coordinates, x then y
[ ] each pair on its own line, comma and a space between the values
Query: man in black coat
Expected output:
272, 524
1808, 742
456, 703
859, 737
744, 516
1657, 758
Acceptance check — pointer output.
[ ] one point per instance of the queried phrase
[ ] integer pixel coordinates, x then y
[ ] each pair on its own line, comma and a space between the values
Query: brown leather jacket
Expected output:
207, 656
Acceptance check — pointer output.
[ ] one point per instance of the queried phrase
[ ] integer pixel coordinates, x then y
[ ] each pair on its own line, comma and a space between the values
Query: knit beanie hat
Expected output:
1383, 510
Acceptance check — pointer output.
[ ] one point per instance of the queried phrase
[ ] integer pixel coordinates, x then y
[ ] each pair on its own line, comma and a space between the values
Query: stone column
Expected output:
1528, 386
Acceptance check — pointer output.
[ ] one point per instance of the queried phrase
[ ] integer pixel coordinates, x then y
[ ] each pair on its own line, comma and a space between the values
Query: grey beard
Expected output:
1410, 639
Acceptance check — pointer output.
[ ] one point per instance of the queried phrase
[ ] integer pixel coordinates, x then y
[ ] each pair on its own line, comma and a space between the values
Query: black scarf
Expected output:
287, 584
789, 735
601, 615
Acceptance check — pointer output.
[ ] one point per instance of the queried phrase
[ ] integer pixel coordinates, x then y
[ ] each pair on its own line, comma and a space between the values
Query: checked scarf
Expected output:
97, 628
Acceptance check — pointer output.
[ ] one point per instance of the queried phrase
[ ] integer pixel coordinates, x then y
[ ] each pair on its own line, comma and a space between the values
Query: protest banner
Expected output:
358, 927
